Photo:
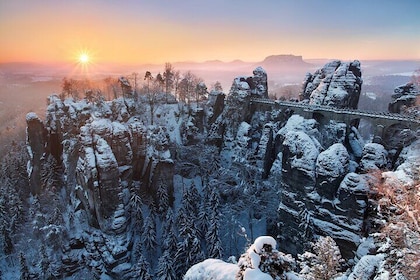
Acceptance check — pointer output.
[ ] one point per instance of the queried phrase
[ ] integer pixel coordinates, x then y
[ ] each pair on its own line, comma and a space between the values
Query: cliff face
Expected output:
276, 173
102, 149
337, 84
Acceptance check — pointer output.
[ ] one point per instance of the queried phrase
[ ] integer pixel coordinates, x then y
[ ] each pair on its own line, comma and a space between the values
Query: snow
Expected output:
255, 258
261, 241
212, 269
101, 126
333, 162
256, 274
304, 152
366, 267
31, 116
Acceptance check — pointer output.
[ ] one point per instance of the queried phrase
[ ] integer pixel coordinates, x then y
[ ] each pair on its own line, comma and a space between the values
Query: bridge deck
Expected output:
348, 112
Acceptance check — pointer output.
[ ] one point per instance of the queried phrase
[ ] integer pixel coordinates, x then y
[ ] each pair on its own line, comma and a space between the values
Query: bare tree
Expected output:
111, 87
148, 78
168, 77
177, 79
134, 77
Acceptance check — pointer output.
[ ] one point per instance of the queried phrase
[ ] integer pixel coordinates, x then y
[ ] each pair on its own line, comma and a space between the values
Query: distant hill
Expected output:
284, 60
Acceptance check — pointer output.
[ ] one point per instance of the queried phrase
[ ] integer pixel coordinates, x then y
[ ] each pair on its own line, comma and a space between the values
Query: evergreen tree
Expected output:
137, 213
214, 243
24, 270
7, 241
44, 262
141, 270
165, 270
163, 198
149, 234
170, 241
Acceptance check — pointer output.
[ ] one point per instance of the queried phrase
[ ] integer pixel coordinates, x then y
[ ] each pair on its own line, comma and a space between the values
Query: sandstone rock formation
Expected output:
404, 96
337, 84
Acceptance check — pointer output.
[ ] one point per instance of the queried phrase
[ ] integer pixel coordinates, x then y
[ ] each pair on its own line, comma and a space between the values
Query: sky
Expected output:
159, 31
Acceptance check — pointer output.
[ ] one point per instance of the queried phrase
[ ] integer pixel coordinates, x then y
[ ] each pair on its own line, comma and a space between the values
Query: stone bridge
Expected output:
323, 114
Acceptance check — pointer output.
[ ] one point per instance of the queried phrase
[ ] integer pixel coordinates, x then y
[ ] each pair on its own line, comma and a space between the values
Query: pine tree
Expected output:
7, 241
170, 241
137, 213
44, 262
141, 270
165, 270
24, 270
163, 198
203, 215
149, 234
214, 244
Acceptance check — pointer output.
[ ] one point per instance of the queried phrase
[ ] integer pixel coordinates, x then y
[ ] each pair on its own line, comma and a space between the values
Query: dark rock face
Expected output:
216, 105
318, 194
404, 98
36, 138
260, 82
337, 84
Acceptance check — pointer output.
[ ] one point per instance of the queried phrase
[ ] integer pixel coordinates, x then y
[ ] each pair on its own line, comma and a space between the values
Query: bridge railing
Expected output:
355, 112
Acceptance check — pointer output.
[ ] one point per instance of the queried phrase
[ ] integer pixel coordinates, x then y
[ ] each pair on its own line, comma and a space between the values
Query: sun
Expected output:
84, 58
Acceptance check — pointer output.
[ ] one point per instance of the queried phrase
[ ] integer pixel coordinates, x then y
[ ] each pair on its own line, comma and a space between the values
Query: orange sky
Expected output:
158, 31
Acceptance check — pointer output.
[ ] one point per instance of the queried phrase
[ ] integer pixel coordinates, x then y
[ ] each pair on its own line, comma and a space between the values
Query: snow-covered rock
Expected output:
404, 96
336, 84
374, 157
331, 167
299, 155
366, 267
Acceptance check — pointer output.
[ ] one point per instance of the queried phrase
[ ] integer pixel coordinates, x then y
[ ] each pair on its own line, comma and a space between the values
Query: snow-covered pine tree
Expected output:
141, 270
205, 208
50, 174
162, 197
44, 263
187, 221
214, 243
136, 213
170, 240
7, 241
24, 270
165, 269
149, 235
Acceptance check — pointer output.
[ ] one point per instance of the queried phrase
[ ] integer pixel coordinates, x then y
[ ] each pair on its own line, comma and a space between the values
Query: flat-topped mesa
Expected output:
337, 84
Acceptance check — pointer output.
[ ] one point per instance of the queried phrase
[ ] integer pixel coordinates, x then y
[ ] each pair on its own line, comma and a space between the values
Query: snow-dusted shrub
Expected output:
262, 260
323, 263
